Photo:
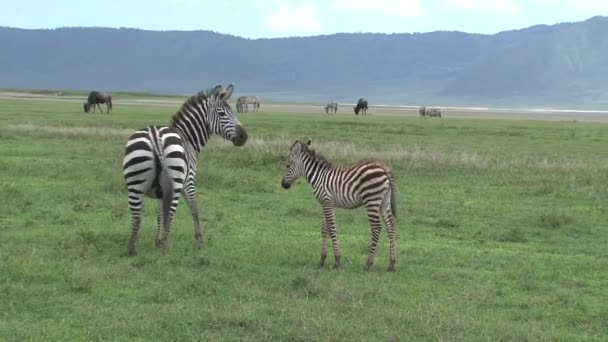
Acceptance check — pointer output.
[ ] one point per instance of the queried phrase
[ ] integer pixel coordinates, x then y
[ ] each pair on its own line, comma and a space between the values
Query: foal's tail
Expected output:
393, 186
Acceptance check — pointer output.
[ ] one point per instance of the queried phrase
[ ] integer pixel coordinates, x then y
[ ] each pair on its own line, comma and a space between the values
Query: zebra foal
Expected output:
160, 161
366, 183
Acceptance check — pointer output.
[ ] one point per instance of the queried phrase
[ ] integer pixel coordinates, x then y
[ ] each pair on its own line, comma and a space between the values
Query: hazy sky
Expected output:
281, 18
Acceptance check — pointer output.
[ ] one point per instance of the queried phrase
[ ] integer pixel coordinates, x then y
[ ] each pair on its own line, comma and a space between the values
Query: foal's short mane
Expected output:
314, 155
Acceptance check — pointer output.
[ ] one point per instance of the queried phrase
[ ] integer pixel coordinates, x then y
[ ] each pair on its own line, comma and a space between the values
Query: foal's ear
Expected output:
308, 142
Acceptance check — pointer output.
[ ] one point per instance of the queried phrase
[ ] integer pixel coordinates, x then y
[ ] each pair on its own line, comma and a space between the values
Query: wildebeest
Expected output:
361, 105
331, 106
430, 112
95, 99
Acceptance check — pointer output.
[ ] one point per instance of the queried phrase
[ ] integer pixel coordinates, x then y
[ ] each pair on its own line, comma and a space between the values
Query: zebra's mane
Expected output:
314, 155
193, 100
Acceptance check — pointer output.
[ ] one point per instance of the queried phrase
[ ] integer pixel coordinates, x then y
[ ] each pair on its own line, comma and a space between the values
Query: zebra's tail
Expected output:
166, 186
393, 194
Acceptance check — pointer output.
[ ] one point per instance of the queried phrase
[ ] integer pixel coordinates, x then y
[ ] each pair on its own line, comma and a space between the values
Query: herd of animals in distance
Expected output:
97, 98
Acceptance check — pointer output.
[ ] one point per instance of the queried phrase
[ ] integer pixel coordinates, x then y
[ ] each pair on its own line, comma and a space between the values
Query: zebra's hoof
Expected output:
158, 242
391, 268
131, 252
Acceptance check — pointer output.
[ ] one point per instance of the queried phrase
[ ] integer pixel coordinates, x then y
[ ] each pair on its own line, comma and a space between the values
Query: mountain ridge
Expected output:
543, 65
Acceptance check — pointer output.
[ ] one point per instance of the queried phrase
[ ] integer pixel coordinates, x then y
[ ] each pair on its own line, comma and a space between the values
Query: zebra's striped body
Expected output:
243, 102
160, 161
331, 106
429, 112
366, 183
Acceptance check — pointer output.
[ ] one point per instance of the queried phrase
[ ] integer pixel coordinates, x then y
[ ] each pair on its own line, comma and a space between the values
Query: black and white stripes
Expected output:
160, 161
243, 102
367, 183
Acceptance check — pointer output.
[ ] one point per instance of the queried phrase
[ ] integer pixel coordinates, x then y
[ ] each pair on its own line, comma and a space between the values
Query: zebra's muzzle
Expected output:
241, 136
285, 185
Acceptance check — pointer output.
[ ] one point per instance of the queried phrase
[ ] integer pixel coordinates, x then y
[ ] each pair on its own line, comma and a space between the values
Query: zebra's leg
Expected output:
167, 225
329, 213
373, 215
99, 106
135, 204
389, 221
324, 235
190, 196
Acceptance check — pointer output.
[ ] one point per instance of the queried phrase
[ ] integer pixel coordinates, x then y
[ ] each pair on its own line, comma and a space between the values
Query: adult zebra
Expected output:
361, 106
430, 112
368, 183
244, 101
331, 106
160, 161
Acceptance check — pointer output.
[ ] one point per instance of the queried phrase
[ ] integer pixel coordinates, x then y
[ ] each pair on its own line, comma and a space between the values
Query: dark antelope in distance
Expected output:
361, 106
95, 99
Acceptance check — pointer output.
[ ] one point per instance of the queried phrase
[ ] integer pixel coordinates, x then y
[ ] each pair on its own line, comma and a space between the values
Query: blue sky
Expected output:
282, 18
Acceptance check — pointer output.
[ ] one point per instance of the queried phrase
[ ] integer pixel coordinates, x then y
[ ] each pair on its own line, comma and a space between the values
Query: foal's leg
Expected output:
389, 221
329, 213
324, 235
373, 215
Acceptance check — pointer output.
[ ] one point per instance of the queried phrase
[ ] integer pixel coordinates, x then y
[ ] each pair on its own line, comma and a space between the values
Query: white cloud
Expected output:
588, 6
399, 8
295, 18
496, 7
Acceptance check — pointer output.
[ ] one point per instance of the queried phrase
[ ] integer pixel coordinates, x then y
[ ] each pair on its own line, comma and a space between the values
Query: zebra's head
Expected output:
221, 119
86, 106
295, 164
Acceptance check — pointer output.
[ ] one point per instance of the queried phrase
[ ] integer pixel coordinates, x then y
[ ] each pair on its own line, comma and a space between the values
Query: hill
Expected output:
559, 65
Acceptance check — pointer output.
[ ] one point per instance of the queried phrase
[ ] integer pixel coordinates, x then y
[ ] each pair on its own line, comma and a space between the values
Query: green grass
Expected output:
502, 233
84, 93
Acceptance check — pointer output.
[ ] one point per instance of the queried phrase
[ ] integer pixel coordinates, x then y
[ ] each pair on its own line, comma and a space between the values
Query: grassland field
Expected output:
502, 233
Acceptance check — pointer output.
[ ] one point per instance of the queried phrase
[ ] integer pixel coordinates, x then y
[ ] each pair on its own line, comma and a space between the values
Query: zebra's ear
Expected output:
217, 90
225, 95
308, 142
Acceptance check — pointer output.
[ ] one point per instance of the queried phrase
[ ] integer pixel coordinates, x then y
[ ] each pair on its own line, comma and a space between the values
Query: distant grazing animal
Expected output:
430, 112
331, 106
239, 107
160, 161
361, 105
366, 183
95, 98
244, 102
421, 111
